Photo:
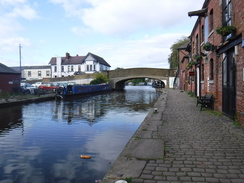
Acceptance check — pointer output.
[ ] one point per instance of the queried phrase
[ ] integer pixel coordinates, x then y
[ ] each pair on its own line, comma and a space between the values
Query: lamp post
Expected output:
20, 60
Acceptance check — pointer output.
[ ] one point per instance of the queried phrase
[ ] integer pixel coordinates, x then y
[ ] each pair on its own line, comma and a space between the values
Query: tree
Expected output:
99, 79
173, 57
118, 68
138, 80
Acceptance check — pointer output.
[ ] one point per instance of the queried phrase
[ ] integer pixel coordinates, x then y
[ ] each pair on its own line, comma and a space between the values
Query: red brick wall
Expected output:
240, 85
239, 22
217, 40
9, 82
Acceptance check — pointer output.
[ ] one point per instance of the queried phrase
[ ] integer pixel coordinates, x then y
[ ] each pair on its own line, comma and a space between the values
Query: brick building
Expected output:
186, 81
10, 79
217, 51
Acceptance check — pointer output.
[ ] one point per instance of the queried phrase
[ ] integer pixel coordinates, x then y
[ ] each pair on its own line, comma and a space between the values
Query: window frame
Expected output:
47, 73
197, 43
202, 35
39, 73
206, 31
227, 12
211, 20
202, 72
211, 69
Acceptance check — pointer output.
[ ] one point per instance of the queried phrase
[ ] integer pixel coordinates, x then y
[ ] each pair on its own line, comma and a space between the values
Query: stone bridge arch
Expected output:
117, 78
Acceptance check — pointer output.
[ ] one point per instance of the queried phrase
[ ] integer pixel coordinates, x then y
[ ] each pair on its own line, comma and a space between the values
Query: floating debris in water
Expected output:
85, 156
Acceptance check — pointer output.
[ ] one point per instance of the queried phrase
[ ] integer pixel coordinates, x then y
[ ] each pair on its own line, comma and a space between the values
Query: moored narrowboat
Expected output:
82, 89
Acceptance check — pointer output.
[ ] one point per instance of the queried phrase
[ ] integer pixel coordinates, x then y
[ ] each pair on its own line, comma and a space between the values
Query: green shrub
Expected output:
99, 79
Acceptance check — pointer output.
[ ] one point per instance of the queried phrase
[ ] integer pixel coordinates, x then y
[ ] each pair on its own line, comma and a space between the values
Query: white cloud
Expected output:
71, 7
81, 31
11, 12
126, 16
13, 2
113, 17
11, 44
23, 11
7, 28
149, 51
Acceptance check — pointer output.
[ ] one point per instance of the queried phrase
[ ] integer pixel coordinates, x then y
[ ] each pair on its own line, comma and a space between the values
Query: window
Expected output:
62, 68
87, 67
72, 68
47, 73
202, 72
68, 68
197, 44
211, 21
202, 31
55, 68
227, 12
206, 29
193, 78
79, 68
94, 67
90, 67
211, 70
39, 73
29, 73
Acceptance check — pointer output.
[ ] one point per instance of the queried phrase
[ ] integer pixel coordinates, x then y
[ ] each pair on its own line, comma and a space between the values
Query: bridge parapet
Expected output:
141, 72
118, 77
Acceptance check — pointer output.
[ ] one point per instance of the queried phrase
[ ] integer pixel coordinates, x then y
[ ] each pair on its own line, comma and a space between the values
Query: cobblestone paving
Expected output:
199, 146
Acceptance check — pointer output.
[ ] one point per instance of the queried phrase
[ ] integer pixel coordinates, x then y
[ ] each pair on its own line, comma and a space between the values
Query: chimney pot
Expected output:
67, 55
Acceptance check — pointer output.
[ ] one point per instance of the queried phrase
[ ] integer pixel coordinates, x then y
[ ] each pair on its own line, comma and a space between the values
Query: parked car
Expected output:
62, 85
28, 88
37, 84
48, 87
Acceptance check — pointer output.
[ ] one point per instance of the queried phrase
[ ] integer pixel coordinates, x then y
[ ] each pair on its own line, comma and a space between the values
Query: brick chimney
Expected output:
67, 55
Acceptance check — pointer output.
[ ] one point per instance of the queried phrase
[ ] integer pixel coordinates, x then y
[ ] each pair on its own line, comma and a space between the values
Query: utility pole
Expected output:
20, 59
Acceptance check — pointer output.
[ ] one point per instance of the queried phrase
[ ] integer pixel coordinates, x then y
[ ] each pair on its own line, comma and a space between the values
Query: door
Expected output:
229, 86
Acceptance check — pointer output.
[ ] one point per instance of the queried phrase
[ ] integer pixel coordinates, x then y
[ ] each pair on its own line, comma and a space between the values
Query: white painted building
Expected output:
74, 65
34, 72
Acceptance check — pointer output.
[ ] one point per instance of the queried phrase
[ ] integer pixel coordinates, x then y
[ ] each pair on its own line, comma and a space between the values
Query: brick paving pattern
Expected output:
199, 146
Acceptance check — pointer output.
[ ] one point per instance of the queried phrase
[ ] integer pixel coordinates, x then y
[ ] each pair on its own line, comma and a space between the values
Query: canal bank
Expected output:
24, 99
146, 144
179, 143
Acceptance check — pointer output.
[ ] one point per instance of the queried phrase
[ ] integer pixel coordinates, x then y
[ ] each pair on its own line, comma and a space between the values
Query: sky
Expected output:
126, 33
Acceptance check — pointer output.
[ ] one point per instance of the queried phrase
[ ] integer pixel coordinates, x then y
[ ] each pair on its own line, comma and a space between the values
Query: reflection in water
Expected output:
10, 118
54, 134
78, 109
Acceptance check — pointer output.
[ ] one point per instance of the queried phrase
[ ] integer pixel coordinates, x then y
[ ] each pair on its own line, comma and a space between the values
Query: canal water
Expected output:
42, 142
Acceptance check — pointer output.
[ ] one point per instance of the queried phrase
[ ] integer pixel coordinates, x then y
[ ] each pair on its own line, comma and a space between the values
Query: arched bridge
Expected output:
117, 78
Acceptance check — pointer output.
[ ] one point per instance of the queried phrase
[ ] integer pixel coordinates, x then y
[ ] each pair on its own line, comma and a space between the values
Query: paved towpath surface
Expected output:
180, 143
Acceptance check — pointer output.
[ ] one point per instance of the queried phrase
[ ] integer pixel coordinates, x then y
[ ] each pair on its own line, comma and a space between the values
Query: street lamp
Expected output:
20, 60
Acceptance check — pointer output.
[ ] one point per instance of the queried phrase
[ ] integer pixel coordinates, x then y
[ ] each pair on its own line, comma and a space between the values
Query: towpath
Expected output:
180, 143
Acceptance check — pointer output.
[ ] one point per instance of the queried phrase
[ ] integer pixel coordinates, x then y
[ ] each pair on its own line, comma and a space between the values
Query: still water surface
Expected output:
42, 142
